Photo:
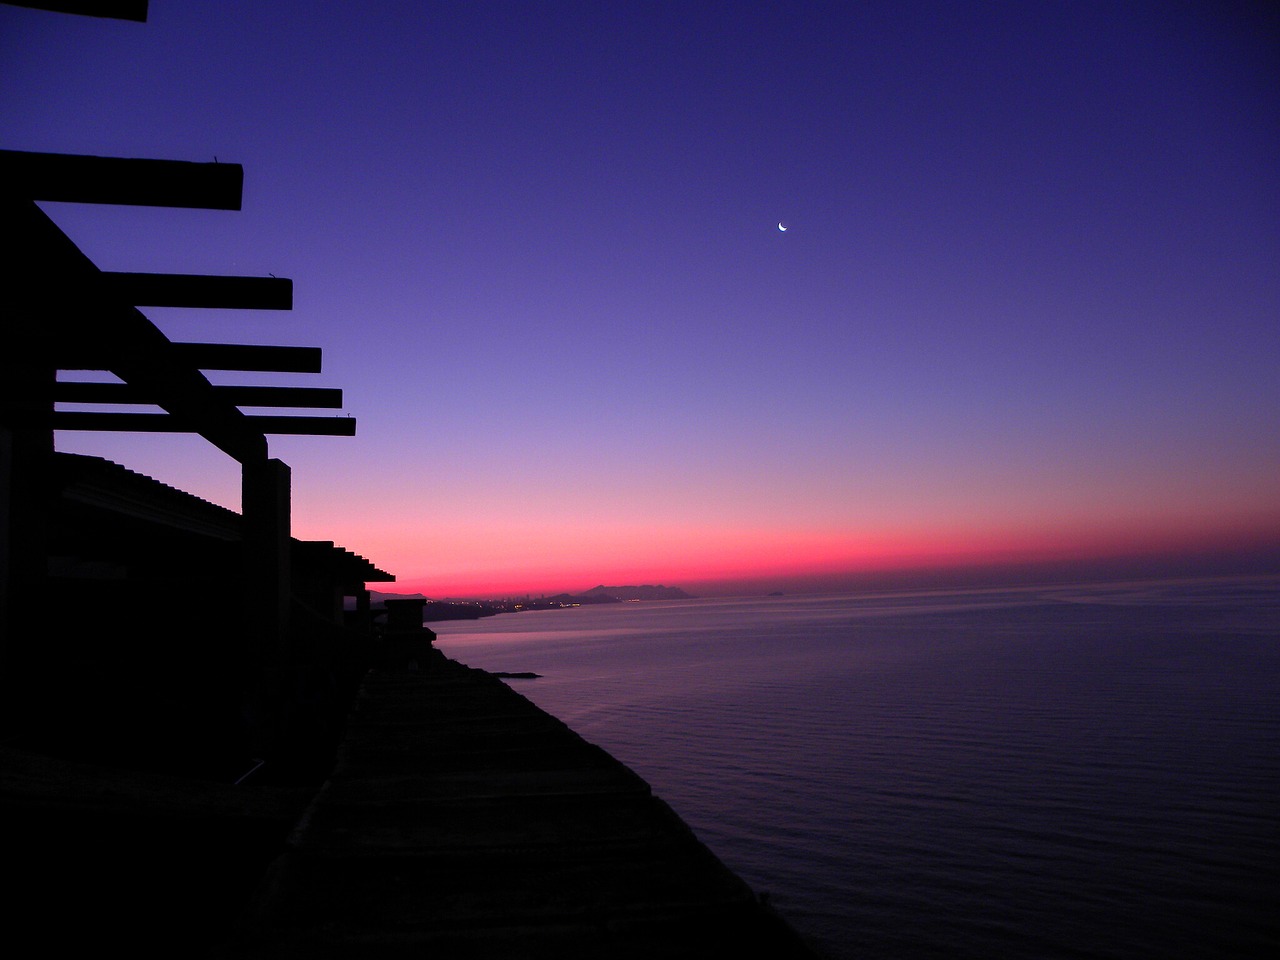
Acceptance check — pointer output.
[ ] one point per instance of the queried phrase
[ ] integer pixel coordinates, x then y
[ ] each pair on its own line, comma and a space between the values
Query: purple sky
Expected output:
1027, 307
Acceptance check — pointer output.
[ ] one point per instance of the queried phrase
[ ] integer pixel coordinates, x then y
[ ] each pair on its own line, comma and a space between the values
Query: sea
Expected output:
1067, 771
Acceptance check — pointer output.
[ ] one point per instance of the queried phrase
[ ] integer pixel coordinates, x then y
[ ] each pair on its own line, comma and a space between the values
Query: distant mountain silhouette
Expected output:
379, 599
645, 592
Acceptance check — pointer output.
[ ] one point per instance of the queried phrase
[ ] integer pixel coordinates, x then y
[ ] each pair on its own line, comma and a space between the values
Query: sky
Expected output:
1026, 309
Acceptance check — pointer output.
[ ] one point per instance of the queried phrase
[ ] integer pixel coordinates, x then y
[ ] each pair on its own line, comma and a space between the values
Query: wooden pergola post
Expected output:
26, 496
265, 506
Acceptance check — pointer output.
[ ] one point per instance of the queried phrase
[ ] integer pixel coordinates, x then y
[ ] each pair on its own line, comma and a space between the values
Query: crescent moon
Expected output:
781, 227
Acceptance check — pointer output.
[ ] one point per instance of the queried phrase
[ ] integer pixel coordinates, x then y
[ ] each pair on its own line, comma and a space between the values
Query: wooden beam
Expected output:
305, 426
148, 183
166, 423
55, 302
186, 290
315, 397
113, 9
201, 356
311, 397
238, 356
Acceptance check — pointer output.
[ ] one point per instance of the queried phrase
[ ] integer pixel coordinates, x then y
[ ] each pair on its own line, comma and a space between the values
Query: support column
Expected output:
265, 504
6, 551
27, 494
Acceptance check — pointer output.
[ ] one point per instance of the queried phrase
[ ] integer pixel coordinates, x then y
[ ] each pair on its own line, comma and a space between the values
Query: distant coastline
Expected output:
435, 611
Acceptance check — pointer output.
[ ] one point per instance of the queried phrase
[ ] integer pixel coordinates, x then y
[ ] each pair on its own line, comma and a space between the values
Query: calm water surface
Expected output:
1085, 771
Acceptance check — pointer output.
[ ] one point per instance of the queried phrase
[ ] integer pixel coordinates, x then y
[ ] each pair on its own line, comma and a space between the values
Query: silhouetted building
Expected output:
83, 538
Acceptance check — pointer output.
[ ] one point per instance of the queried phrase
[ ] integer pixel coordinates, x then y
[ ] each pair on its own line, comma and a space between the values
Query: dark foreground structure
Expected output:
462, 821
459, 820
202, 752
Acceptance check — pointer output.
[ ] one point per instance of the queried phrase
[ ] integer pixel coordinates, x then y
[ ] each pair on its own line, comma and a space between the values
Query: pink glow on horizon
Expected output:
710, 565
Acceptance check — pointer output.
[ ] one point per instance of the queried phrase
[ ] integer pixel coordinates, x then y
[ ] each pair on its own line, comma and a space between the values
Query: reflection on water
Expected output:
1069, 771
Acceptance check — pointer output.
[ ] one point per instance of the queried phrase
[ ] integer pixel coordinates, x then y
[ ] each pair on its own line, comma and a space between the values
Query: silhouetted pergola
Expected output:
65, 314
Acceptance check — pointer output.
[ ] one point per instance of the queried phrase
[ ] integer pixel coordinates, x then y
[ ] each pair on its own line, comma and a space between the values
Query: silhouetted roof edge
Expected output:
105, 484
